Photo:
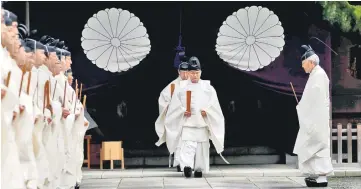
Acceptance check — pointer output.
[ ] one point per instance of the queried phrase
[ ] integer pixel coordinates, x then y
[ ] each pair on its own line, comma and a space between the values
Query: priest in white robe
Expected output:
163, 101
52, 143
68, 169
42, 162
71, 175
11, 172
81, 125
313, 140
193, 120
24, 123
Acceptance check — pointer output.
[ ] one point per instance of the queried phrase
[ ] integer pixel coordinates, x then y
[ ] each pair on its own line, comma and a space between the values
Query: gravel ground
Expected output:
345, 182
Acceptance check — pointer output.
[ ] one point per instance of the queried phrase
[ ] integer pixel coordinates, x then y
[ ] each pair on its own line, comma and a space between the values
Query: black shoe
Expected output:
178, 168
311, 182
77, 186
198, 174
187, 172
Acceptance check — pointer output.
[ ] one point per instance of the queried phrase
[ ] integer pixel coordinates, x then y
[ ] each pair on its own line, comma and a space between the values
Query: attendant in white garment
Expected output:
163, 101
68, 168
51, 140
313, 139
192, 128
18, 164
74, 131
39, 150
60, 132
24, 123
66, 121
57, 130
11, 171
81, 125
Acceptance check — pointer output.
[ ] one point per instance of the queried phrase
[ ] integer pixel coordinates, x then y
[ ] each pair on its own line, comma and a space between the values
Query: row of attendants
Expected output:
42, 114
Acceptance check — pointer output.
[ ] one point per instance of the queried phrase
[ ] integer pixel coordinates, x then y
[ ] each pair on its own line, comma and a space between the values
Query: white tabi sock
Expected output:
313, 176
321, 179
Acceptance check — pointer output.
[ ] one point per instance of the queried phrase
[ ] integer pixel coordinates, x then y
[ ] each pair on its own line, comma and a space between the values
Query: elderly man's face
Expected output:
22, 56
30, 56
14, 40
57, 68
183, 74
29, 60
14, 28
16, 45
63, 64
307, 65
39, 57
15, 25
52, 60
195, 75
68, 62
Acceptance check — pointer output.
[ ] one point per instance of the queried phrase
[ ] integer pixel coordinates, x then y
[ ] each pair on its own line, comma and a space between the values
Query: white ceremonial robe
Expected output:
5, 148
163, 102
67, 177
80, 153
42, 162
43, 75
13, 165
25, 136
69, 174
11, 171
7, 103
51, 130
50, 141
192, 134
24, 126
78, 132
313, 140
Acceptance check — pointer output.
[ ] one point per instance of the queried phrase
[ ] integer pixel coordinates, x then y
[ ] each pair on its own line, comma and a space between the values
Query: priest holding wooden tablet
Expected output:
193, 118
163, 101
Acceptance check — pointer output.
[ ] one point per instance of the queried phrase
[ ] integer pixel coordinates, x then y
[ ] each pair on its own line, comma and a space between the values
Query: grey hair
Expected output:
315, 59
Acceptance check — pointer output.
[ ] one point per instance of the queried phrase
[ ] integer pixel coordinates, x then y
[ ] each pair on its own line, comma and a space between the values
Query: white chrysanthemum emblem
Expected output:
115, 40
250, 38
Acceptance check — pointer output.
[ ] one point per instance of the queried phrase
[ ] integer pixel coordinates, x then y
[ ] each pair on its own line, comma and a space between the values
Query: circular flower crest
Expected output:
250, 38
115, 40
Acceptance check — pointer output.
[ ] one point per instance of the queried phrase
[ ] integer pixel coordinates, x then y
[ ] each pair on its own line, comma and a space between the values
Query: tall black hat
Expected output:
183, 66
194, 63
306, 52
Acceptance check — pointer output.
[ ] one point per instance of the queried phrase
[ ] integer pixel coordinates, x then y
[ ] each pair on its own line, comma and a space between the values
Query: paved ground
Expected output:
220, 177
215, 183
269, 170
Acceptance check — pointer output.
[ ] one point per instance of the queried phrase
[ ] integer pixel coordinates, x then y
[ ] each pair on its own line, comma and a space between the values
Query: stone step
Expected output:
270, 170
234, 155
230, 151
214, 160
